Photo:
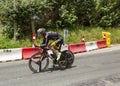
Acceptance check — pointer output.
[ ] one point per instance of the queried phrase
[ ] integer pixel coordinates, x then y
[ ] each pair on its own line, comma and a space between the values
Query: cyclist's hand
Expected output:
35, 46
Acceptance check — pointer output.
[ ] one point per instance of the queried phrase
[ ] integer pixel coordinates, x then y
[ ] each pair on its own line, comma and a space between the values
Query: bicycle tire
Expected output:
62, 62
38, 62
69, 58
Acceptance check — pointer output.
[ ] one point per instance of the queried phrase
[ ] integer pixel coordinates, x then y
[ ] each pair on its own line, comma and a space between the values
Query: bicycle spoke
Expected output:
34, 61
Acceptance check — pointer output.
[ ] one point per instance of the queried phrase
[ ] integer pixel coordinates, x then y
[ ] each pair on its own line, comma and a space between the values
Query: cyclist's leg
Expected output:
54, 55
56, 48
53, 50
59, 45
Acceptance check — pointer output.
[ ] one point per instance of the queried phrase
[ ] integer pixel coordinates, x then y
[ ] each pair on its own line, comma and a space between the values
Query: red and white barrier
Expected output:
88, 46
77, 48
91, 45
101, 44
17, 54
10, 54
26, 53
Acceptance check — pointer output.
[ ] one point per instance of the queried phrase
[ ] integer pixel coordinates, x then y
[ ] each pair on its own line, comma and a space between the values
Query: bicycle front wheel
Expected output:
38, 63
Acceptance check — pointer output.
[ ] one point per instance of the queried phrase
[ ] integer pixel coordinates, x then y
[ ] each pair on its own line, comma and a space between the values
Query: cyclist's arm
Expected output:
59, 38
45, 43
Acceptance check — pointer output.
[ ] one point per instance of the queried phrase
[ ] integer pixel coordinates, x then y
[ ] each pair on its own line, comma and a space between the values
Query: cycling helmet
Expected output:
41, 31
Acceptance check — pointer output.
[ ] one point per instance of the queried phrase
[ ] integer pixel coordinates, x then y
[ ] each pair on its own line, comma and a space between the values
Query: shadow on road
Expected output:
57, 68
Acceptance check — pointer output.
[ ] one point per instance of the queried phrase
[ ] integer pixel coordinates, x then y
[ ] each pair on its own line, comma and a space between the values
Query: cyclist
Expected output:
57, 39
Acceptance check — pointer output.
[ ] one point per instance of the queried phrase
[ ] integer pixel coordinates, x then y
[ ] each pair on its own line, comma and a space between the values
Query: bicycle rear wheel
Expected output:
70, 58
62, 62
38, 63
66, 59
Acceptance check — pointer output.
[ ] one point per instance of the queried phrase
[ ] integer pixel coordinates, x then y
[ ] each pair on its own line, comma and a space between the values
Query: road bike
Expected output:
39, 61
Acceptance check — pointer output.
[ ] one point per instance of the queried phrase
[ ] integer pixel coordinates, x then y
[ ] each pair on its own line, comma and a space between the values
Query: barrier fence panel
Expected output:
77, 48
10, 54
101, 44
28, 52
91, 45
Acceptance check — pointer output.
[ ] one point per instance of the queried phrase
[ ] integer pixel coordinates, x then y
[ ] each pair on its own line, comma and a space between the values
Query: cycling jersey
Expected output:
52, 36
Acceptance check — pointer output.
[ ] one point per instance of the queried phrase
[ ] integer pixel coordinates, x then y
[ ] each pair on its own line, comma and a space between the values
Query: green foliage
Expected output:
74, 36
8, 43
67, 16
108, 13
22, 14
57, 14
85, 10
8, 31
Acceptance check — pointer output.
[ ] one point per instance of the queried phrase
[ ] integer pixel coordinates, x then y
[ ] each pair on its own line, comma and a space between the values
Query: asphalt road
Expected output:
94, 68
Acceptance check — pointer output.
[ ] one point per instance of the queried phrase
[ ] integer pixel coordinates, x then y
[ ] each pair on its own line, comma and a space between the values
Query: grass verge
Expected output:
74, 36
